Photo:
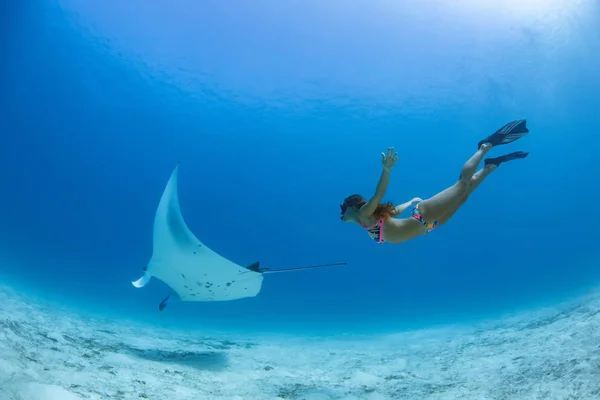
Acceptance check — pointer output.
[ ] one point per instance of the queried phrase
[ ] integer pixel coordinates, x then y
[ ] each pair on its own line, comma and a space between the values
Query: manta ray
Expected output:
191, 269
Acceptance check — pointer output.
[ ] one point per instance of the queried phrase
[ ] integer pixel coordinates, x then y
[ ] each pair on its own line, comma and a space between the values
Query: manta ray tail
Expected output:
255, 267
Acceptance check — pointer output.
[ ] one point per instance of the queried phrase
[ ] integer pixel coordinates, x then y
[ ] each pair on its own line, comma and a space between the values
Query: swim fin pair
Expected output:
507, 134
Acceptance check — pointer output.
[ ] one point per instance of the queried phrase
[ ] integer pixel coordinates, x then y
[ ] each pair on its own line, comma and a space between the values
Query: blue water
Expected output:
277, 111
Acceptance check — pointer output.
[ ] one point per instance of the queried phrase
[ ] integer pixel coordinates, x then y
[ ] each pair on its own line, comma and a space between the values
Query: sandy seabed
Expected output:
56, 355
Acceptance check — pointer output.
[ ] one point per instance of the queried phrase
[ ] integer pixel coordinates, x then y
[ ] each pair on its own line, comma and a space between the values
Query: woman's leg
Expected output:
442, 203
475, 182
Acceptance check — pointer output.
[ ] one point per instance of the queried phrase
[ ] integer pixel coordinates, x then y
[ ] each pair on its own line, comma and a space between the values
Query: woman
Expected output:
376, 218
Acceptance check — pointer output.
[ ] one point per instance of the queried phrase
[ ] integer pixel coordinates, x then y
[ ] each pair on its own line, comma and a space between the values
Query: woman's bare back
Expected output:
398, 230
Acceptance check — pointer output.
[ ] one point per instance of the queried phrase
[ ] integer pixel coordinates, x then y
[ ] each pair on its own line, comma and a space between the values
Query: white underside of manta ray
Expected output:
192, 270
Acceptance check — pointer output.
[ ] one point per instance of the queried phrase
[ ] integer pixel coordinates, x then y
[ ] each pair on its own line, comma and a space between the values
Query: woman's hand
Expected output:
389, 160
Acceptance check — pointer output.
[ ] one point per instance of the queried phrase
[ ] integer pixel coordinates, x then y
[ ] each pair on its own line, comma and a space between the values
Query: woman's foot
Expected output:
485, 147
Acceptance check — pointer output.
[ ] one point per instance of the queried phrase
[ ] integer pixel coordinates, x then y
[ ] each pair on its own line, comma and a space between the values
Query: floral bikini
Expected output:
375, 230
416, 213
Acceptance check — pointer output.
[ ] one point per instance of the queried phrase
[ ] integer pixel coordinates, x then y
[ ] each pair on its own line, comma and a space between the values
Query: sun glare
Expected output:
516, 8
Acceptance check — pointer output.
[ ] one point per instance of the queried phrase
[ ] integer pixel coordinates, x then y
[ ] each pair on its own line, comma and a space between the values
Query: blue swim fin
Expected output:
507, 157
508, 133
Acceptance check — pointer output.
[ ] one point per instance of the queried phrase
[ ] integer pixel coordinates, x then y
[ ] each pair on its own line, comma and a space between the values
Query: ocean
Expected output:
275, 112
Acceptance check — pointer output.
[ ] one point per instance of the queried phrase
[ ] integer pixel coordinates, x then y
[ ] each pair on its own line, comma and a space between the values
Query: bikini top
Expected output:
375, 230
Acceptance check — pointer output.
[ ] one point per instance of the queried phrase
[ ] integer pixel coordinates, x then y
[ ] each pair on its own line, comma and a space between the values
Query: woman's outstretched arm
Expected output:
388, 162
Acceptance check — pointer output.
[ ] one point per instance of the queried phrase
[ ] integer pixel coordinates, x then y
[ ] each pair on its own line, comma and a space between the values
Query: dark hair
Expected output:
383, 210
